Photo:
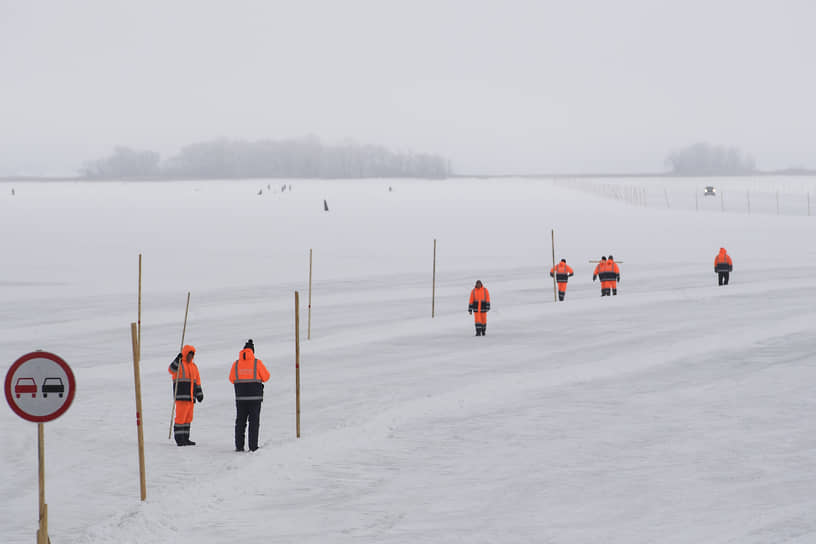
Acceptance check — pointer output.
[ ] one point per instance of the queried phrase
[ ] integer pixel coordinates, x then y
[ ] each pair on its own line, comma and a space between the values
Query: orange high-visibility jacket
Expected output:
479, 300
614, 270
608, 271
248, 374
598, 269
722, 262
562, 272
187, 376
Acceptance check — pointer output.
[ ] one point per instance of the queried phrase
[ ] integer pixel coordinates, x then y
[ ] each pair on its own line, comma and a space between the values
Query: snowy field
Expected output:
676, 412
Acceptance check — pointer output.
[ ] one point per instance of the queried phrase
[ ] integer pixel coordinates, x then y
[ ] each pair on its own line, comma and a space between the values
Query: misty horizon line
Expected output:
307, 157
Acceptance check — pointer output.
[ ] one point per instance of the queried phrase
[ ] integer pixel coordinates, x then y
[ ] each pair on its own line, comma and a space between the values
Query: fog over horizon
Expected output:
510, 87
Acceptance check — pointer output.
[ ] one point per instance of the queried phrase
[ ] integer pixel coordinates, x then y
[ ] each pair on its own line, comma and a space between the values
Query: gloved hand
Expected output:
470, 312
594, 276
174, 364
200, 396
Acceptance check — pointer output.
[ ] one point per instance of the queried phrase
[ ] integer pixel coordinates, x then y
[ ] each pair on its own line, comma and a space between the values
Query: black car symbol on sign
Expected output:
25, 385
52, 385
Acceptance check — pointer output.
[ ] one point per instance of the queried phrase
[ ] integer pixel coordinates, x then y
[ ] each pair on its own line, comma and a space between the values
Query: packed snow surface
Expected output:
675, 412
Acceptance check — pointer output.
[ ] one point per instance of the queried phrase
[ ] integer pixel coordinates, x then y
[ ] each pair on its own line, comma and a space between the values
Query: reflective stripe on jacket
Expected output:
248, 374
562, 272
722, 262
479, 300
186, 374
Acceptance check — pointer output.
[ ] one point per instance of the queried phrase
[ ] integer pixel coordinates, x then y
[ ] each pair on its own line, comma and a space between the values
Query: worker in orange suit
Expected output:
599, 270
723, 266
613, 274
479, 305
187, 389
562, 273
248, 375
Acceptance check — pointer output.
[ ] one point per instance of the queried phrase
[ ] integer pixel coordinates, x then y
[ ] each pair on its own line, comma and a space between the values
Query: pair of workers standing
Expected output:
247, 375
607, 270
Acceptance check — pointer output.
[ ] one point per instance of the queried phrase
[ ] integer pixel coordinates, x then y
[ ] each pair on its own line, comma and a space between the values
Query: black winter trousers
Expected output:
247, 410
722, 277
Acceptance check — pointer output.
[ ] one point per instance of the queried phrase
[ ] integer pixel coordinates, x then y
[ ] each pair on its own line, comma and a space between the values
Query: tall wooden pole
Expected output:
139, 316
309, 327
297, 363
175, 389
42, 532
433, 283
139, 429
555, 285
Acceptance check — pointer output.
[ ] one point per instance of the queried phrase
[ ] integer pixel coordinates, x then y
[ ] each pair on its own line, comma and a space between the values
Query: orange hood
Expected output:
185, 350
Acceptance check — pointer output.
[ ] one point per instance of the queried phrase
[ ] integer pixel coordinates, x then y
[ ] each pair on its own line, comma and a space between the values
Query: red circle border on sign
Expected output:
71, 384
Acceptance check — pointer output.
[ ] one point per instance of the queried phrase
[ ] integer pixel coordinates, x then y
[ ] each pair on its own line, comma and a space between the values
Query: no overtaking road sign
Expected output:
40, 386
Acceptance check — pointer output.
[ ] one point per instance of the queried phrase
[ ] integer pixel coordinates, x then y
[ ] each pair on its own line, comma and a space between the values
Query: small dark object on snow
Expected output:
325, 205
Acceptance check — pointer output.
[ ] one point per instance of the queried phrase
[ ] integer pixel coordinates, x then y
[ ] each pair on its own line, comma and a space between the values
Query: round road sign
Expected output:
40, 386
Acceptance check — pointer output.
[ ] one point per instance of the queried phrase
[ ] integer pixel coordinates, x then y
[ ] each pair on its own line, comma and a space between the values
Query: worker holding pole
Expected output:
561, 272
187, 387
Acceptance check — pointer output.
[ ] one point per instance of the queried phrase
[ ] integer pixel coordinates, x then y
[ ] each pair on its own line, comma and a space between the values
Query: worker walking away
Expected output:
723, 266
600, 268
613, 274
248, 375
187, 388
562, 273
479, 305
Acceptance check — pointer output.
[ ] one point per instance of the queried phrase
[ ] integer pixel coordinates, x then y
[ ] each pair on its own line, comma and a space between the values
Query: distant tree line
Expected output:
703, 159
300, 158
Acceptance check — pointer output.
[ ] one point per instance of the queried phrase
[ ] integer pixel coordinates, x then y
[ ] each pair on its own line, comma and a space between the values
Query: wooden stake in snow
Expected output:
175, 389
139, 310
137, 350
433, 283
325, 205
42, 532
297, 364
309, 327
555, 285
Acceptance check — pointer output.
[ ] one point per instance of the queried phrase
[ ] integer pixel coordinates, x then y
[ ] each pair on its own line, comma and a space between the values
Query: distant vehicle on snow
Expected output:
710, 191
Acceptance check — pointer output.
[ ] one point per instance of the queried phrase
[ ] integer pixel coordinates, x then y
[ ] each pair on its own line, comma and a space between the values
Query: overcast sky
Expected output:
497, 87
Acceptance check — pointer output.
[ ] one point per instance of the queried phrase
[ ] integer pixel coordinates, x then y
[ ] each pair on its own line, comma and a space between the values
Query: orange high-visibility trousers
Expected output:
184, 412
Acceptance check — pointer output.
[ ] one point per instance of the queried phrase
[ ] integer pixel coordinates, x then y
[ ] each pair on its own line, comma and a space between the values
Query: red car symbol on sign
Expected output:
25, 385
